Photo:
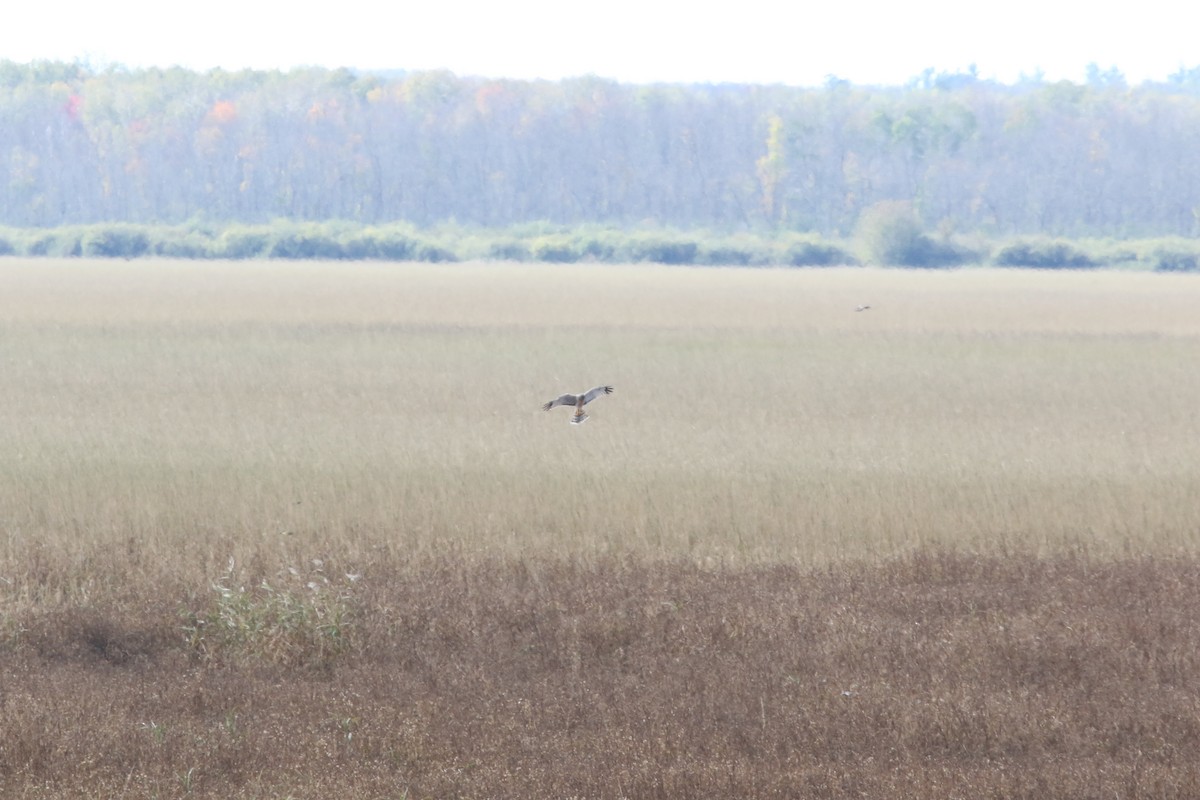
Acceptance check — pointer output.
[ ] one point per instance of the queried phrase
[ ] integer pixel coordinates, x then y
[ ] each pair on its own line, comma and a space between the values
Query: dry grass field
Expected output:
302, 530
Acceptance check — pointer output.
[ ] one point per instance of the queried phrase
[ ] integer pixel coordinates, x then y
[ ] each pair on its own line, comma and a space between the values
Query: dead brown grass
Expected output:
935, 675
301, 530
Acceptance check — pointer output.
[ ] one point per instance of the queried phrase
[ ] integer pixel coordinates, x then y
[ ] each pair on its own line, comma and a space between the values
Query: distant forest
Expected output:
80, 145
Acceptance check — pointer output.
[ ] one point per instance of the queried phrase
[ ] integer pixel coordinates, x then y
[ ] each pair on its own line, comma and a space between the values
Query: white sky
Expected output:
759, 41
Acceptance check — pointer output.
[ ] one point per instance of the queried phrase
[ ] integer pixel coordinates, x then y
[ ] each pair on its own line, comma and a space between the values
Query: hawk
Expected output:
579, 401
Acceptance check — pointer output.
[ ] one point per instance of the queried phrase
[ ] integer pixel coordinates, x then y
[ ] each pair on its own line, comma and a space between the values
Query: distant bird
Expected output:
579, 401
863, 308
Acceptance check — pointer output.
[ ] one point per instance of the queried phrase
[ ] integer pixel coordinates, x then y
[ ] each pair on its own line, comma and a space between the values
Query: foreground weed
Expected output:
157, 731
301, 620
187, 780
230, 725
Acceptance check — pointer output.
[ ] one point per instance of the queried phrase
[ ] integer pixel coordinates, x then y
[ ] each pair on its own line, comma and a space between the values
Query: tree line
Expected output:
81, 145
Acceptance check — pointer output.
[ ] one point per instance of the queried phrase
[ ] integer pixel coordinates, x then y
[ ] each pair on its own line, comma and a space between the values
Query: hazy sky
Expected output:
761, 41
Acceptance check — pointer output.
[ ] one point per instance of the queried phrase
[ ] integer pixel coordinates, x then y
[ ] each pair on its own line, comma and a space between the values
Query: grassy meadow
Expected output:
301, 529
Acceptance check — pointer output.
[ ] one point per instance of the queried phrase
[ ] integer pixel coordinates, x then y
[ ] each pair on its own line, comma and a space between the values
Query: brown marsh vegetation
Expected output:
302, 530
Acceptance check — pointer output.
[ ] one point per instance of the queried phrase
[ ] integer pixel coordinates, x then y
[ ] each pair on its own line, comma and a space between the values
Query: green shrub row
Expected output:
888, 234
281, 240
335, 241
1158, 255
1043, 254
670, 248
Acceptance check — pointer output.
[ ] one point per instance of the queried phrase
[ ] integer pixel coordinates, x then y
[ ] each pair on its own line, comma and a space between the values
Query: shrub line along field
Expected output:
302, 529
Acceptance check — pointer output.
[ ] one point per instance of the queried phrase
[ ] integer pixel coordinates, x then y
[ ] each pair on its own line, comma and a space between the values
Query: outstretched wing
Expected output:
564, 400
599, 391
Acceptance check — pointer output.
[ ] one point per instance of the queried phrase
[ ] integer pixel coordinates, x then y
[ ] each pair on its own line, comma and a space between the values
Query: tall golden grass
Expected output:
222, 409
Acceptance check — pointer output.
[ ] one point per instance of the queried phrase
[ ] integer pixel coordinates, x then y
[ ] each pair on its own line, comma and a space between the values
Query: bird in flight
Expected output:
579, 401
863, 308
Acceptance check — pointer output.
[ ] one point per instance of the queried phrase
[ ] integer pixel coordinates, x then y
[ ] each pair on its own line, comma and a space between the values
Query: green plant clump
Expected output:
1176, 261
1043, 254
890, 234
306, 624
